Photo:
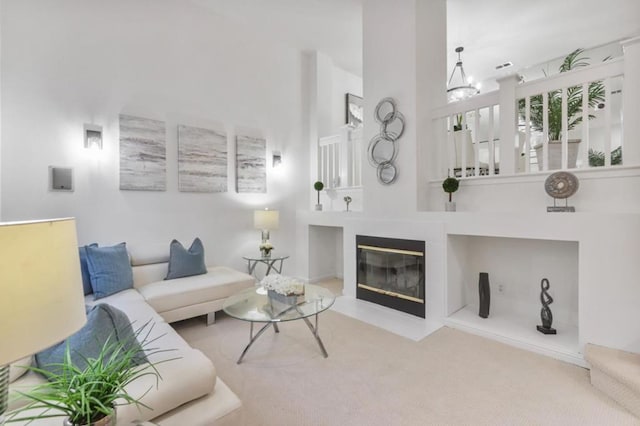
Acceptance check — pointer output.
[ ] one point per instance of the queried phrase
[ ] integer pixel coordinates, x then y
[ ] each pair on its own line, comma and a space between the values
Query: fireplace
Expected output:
391, 272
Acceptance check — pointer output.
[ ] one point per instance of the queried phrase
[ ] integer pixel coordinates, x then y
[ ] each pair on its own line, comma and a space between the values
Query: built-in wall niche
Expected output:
325, 252
516, 267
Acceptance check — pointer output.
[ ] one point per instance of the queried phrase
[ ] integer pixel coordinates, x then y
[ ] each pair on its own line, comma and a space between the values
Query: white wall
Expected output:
1, 8
389, 64
333, 83
71, 62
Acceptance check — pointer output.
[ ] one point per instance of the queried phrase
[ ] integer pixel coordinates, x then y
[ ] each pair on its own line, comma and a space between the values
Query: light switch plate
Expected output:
60, 178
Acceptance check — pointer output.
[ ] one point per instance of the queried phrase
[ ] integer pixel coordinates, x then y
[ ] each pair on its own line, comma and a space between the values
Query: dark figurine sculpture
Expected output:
545, 313
485, 295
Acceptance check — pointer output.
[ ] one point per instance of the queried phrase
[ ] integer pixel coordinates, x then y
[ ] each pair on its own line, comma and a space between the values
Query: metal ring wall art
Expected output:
383, 147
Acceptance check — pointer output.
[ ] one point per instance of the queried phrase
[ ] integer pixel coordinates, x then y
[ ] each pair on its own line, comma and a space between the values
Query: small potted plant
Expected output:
318, 186
450, 185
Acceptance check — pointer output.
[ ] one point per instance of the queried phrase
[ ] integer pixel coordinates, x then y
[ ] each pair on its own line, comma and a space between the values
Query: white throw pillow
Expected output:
16, 369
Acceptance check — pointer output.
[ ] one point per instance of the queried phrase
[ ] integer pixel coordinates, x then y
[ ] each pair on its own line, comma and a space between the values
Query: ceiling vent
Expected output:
505, 65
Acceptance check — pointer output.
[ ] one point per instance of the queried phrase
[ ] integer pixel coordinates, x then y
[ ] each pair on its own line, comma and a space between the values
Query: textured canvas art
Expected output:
143, 154
202, 160
251, 170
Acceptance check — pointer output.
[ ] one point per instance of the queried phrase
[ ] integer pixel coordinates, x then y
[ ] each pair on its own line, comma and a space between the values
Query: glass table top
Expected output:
253, 304
258, 256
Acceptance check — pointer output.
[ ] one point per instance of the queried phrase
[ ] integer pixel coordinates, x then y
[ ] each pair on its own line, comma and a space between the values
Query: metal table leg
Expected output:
314, 331
253, 338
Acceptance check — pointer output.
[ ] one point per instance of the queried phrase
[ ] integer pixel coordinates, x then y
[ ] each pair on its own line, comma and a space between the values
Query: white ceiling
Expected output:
333, 27
492, 32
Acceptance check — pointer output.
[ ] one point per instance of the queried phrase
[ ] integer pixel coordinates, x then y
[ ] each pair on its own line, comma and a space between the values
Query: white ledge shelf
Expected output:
518, 332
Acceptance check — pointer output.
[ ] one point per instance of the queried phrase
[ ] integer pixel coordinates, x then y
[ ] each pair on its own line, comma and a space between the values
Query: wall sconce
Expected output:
92, 136
277, 159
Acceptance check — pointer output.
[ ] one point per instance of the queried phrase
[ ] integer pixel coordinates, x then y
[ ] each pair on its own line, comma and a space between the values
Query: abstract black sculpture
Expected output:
485, 295
545, 313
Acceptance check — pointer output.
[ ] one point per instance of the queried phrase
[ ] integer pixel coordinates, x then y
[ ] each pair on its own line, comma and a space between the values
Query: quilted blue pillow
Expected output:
84, 269
110, 270
103, 322
185, 263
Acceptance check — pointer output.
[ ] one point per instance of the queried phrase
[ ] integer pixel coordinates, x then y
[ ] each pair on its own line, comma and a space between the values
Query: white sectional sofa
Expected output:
189, 392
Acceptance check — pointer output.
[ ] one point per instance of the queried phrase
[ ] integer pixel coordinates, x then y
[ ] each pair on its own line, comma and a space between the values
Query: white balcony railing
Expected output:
470, 132
339, 159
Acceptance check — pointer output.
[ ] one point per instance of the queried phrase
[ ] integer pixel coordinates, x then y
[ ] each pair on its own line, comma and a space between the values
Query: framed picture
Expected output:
354, 110
143, 154
251, 164
202, 160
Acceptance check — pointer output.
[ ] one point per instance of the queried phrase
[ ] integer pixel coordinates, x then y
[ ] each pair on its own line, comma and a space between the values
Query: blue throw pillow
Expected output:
84, 269
110, 270
103, 322
185, 263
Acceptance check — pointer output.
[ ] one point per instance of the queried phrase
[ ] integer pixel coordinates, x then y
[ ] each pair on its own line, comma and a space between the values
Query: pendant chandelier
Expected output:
460, 88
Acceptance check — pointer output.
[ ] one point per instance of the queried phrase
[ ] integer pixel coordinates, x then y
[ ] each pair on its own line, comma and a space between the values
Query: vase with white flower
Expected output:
287, 290
265, 249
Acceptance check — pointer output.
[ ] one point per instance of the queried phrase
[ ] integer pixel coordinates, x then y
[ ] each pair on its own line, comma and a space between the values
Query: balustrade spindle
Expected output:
585, 125
545, 132
476, 142
492, 148
607, 122
565, 130
527, 134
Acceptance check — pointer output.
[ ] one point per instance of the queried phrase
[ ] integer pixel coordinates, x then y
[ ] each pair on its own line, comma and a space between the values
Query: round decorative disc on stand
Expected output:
561, 184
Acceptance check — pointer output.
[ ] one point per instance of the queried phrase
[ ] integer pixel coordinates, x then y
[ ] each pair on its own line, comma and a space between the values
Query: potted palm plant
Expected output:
89, 395
596, 95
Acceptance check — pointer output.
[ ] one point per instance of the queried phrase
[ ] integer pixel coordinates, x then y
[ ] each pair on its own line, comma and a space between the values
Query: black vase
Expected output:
485, 294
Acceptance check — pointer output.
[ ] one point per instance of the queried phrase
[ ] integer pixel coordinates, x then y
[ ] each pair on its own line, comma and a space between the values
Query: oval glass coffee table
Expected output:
254, 305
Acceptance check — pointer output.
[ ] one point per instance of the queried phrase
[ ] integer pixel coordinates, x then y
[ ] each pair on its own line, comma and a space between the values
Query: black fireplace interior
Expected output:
391, 273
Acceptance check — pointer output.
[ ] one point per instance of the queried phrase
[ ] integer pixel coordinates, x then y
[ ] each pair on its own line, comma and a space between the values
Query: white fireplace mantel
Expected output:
607, 244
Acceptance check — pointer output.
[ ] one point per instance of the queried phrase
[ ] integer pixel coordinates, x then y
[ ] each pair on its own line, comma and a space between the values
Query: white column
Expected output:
389, 64
508, 124
311, 62
431, 91
409, 66
631, 102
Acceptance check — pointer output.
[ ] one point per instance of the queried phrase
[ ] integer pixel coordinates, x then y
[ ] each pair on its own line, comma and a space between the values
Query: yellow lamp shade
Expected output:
41, 297
266, 219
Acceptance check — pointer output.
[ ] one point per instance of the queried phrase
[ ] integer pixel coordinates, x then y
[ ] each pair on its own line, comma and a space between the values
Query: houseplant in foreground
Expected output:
450, 185
88, 395
596, 95
318, 186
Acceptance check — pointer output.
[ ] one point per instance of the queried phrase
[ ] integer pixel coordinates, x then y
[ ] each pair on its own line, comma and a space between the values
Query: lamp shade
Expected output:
41, 300
266, 219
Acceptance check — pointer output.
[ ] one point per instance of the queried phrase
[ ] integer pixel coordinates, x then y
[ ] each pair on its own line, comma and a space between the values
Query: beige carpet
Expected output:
373, 377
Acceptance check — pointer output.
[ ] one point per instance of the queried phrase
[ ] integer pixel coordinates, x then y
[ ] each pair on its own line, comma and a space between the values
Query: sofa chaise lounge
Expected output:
189, 392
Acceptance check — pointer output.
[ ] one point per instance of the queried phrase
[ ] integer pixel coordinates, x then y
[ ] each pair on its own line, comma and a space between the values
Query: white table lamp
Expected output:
41, 301
266, 220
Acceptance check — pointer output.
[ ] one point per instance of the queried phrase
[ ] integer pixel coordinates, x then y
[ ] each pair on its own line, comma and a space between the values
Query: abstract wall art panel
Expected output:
251, 160
143, 154
202, 160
